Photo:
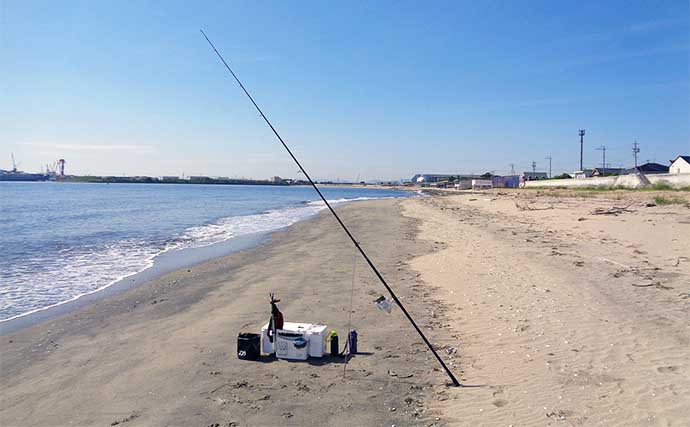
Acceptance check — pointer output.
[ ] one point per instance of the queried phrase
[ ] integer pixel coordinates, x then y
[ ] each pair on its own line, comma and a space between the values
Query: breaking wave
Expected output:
73, 272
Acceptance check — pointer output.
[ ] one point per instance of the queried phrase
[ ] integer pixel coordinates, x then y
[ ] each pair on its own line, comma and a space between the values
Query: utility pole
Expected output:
512, 169
549, 159
636, 149
534, 166
582, 140
603, 161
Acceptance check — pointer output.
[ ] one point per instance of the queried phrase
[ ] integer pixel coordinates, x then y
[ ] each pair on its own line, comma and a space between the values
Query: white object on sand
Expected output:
315, 334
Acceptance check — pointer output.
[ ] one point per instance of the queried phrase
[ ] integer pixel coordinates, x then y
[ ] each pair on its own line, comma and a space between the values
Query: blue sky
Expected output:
377, 89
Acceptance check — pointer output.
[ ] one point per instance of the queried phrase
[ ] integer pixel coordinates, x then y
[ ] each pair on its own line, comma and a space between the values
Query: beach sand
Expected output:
564, 317
164, 353
548, 314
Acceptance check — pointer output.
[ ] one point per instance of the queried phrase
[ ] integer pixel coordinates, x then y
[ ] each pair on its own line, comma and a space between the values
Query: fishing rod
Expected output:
335, 215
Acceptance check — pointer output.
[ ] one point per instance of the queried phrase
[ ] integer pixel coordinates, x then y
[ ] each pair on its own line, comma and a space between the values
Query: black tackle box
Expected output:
248, 346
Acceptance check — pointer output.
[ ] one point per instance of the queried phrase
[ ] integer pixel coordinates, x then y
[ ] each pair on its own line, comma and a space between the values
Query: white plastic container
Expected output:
266, 344
317, 340
287, 347
314, 334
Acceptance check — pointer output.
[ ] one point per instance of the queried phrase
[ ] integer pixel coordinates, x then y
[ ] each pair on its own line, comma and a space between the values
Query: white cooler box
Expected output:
314, 334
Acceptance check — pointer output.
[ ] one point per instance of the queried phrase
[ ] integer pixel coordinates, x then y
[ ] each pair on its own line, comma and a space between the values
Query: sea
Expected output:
62, 241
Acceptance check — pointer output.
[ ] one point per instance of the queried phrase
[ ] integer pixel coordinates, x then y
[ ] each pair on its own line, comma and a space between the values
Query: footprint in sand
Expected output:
499, 403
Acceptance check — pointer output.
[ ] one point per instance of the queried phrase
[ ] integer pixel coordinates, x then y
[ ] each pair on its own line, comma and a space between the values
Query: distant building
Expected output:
442, 184
199, 179
587, 173
463, 184
481, 184
649, 168
608, 171
169, 178
533, 176
427, 178
680, 165
511, 181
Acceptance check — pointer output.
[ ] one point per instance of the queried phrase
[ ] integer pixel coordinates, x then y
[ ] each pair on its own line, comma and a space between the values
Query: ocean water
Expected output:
60, 241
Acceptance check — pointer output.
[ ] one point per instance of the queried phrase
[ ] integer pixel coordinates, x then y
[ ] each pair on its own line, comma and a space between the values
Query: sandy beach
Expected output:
164, 353
548, 313
564, 316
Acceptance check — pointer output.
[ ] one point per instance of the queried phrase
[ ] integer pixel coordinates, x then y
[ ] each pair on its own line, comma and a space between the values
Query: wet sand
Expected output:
163, 353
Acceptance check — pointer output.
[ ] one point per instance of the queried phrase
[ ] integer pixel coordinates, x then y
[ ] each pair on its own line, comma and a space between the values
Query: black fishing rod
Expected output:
347, 231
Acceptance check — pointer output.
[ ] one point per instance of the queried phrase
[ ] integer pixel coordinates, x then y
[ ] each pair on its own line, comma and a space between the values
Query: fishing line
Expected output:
349, 316
335, 215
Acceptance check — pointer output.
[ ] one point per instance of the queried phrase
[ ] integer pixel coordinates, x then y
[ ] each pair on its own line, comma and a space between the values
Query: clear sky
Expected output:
377, 89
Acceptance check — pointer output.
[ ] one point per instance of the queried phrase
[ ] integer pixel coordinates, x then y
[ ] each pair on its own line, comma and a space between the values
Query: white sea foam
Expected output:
76, 272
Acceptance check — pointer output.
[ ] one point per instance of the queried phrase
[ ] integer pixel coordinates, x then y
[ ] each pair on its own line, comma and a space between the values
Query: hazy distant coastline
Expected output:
205, 180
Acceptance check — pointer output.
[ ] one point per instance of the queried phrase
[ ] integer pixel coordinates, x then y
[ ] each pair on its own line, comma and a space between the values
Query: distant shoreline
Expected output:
204, 181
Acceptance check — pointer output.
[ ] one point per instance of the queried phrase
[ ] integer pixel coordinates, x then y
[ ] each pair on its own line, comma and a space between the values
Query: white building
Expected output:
680, 165
463, 184
481, 184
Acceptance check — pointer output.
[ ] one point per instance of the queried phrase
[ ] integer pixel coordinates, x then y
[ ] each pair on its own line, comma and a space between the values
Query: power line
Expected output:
603, 160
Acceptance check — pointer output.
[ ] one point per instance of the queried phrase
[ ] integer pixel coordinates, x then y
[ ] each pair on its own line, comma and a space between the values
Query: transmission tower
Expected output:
534, 166
636, 149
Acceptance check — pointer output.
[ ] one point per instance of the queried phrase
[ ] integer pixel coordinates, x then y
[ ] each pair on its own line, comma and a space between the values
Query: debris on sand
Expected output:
657, 285
527, 207
392, 373
614, 210
557, 415
126, 419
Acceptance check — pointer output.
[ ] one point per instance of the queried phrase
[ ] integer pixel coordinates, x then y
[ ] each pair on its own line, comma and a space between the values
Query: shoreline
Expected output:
164, 352
164, 262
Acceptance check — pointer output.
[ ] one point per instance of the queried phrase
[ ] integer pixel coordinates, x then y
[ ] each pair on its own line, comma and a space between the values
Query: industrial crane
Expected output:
15, 165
